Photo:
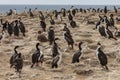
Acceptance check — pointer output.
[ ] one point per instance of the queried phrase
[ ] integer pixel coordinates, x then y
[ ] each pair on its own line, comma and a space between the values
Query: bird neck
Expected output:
37, 48
15, 51
80, 47
99, 48
16, 24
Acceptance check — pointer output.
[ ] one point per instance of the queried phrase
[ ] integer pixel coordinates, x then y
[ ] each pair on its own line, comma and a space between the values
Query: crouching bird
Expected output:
37, 56
78, 54
102, 57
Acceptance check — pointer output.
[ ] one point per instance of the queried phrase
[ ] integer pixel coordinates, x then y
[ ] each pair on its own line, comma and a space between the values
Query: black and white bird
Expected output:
2, 36
57, 60
13, 57
109, 33
21, 26
107, 22
10, 12
55, 48
18, 63
4, 25
70, 17
31, 13
43, 25
101, 30
1, 22
52, 22
117, 32
16, 28
117, 19
66, 28
73, 12
63, 10
105, 9
51, 35
112, 22
115, 9
102, 56
9, 29
41, 16
78, 54
37, 56
69, 39
73, 24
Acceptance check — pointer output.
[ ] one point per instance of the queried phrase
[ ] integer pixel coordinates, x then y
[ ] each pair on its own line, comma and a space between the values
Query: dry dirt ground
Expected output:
87, 69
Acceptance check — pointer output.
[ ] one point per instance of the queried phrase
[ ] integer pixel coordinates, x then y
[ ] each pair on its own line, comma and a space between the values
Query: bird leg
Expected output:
32, 65
72, 46
37, 64
106, 67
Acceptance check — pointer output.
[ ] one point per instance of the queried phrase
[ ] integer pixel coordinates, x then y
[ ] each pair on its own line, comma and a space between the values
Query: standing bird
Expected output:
51, 35
73, 24
2, 36
30, 13
66, 28
105, 9
78, 54
1, 22
106, 21
37, 56
10, 12
5, 25
69, 39
41, 16
57, 60
21, 26
18, 63
56, 13
43, 25
73, 12
16, 28
52, 22
13, 57
55, 48
70, 17
63, 10
115, 9
109, 33
10, 29
112, 22
101, 30
102, 57
57, 56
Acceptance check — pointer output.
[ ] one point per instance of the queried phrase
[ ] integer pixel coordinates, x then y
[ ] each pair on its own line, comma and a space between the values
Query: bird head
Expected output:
56, 39
16, 47
80, 43
98, 43
37, 46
